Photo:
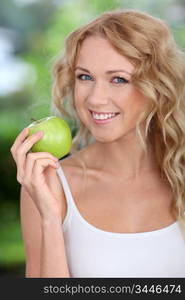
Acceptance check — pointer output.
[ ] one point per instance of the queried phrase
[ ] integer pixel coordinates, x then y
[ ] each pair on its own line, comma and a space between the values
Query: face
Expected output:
106, 100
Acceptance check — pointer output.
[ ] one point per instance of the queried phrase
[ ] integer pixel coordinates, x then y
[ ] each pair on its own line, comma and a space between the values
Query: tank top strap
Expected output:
67, 192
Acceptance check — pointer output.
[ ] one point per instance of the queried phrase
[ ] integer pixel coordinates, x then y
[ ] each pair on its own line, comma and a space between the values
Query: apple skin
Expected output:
57, 137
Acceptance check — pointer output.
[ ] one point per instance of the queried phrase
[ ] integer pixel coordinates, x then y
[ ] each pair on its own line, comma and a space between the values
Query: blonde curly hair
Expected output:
159, 73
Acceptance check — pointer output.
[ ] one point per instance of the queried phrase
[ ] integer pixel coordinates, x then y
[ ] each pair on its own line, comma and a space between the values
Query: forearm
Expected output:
53, 255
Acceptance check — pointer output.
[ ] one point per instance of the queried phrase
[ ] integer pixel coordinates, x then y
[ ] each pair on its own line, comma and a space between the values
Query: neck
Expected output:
125, 157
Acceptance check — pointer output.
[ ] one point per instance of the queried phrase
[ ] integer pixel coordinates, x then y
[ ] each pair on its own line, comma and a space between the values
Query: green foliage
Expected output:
179, 33
12, 250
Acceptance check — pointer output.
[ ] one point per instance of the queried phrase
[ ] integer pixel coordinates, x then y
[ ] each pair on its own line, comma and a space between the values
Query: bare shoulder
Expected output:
74, 167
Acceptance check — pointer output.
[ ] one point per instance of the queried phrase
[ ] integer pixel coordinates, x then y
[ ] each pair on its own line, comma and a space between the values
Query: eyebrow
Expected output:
107, 72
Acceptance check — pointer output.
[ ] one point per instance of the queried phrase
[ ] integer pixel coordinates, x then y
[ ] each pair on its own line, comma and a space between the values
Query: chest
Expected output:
123, 207
157, 254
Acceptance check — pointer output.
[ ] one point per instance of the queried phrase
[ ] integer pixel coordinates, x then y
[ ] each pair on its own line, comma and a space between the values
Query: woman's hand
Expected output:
31, 172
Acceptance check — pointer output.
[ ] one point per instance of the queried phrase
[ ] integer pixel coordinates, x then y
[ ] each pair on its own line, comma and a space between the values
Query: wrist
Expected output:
51, 218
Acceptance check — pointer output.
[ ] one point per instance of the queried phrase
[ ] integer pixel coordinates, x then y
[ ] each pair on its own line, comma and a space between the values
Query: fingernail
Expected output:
25, 129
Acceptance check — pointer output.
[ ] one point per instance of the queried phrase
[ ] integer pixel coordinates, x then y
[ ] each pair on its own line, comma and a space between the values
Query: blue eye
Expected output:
120, 80
83, 77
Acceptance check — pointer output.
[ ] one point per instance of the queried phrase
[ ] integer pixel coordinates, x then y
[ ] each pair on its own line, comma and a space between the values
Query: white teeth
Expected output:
103, 116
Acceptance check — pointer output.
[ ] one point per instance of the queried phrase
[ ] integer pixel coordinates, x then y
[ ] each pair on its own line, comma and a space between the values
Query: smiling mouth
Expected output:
102, 118
103, 115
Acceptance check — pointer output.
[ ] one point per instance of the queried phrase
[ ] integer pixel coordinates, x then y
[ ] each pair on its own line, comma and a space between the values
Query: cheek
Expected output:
133, 104
79, 100
79, 95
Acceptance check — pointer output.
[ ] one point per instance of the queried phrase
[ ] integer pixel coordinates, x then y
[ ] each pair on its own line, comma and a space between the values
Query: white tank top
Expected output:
93, 252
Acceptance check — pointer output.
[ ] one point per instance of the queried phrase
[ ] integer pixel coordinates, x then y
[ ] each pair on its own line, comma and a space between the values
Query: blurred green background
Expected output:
31, 35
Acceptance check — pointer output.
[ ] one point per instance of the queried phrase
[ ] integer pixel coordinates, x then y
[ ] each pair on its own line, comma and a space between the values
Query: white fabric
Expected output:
92, 252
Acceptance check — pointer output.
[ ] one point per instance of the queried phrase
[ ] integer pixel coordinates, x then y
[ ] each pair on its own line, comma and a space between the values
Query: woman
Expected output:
115, 206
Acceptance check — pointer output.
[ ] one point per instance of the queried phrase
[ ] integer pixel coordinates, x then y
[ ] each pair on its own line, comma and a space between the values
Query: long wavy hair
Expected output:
159, 73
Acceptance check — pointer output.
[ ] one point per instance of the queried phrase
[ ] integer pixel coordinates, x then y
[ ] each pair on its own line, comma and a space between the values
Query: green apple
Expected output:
57, 137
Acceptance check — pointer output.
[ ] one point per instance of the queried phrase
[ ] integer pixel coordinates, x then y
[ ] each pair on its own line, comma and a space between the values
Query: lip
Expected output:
102, 121
103, 112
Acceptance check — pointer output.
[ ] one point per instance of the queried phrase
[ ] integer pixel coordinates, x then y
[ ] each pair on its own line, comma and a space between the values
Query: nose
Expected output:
98, 95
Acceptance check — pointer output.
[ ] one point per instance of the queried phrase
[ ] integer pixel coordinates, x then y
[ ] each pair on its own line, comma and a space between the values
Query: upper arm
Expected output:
31, 232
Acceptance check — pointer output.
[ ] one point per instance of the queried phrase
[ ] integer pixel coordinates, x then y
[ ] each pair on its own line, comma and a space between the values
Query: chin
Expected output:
105, 139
